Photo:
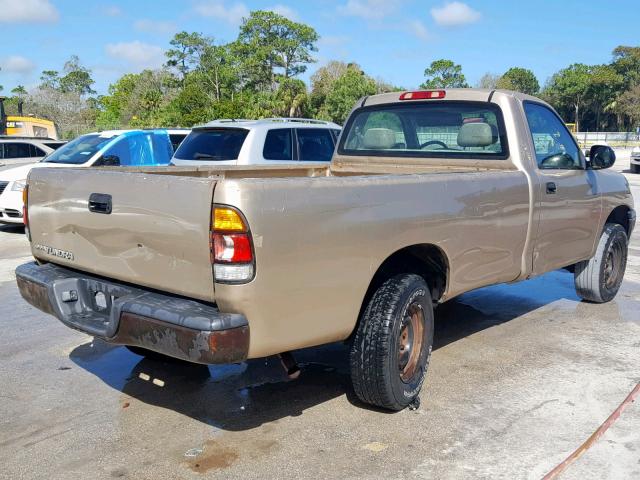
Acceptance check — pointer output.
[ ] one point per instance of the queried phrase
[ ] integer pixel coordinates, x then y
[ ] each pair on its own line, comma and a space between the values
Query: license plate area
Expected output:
89, 305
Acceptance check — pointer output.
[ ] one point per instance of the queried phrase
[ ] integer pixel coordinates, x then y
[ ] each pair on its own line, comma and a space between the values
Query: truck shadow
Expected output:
244, 396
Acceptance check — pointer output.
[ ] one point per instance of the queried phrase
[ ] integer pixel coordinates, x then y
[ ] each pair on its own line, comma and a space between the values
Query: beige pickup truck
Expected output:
429, 194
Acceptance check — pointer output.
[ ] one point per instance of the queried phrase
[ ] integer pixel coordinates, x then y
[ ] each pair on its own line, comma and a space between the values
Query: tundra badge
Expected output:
56, 252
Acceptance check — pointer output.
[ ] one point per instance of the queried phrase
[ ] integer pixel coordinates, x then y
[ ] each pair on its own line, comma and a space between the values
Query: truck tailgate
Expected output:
156, 235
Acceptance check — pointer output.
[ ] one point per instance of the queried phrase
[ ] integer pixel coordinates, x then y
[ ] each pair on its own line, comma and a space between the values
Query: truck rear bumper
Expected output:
126, 315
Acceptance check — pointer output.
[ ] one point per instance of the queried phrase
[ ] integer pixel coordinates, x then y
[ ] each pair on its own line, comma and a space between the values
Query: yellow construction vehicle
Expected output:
25, 125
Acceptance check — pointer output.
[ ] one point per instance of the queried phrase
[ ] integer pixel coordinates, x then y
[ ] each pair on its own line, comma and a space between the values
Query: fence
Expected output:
614, 139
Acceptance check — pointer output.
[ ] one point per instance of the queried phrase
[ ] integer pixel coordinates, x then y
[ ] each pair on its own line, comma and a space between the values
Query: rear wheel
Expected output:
598, 279
635, 168
392, 346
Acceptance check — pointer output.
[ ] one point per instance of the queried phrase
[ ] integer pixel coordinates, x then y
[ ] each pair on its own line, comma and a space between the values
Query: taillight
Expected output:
234, 248
231, 248
423, 95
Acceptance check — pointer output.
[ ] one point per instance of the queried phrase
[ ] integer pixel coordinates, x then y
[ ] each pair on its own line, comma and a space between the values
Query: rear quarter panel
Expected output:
319, 242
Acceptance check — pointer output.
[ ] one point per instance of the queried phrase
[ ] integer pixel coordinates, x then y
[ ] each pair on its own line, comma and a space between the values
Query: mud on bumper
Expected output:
126, 315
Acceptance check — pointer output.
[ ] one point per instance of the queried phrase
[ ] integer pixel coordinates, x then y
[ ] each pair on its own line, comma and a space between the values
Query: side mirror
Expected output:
108, 161
601, 156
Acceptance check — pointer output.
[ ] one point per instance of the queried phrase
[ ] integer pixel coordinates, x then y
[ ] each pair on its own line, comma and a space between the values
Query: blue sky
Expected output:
391, 39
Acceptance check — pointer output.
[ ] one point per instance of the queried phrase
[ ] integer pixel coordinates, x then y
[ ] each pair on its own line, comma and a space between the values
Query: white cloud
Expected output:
155, 26
137, 54
27, 11
419, 30
218, 9
454, 14
285, 11
369, 9
17, 64
112, 11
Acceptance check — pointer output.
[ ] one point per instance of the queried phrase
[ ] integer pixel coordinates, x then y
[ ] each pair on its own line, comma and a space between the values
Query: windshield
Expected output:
451, 129
212, 144
78, 151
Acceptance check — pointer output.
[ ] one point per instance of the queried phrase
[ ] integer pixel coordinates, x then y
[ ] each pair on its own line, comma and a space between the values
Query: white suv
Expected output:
258, 142
17, 150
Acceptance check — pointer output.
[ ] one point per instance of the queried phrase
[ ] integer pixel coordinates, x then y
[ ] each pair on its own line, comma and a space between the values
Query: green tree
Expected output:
219, 71
76, 79
444, 74
629, 105
273, 47
568, 89
186, 52
19, 97
19, 91
50, 79
519, 80
605, 85
138, 100
292, 99
191, 104
323, 80
626, 61
351, 86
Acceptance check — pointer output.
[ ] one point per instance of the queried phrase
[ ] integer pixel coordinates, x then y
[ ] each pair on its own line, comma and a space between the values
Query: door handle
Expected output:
551, 187
100, 203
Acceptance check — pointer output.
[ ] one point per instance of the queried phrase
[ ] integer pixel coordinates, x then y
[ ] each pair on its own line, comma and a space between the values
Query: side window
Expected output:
41, 132
16, 150
176, 140
277, 145
54, 145
120, 149
315, 144
336, 134
555, 147
36, 152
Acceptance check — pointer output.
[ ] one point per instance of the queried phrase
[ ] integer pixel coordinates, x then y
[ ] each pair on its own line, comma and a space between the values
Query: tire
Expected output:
389, 356
598, 279
635, 168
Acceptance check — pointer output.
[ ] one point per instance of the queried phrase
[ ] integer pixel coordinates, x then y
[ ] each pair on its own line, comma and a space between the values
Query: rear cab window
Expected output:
213, 144
434, 129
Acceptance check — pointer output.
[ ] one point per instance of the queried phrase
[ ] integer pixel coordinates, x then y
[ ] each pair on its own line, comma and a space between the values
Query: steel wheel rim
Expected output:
613, 265
410, 341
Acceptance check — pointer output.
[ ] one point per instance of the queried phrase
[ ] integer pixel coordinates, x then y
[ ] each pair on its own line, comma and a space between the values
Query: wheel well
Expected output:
620, 215
426, 260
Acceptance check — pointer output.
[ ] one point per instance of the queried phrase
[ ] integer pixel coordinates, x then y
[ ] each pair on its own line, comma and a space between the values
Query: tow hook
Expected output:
290, 365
